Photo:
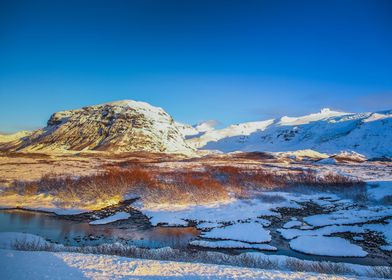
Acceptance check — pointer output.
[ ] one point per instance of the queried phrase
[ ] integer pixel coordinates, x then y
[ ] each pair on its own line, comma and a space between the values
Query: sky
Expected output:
231, 61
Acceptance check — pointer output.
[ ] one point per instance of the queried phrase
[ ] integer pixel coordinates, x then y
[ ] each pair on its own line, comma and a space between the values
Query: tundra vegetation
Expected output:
181, 186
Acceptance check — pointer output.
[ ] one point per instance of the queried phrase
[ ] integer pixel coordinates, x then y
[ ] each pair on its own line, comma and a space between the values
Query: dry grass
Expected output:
115, 183
166, 254
319, 267
263, 179
30, 245
380, 272
183, 186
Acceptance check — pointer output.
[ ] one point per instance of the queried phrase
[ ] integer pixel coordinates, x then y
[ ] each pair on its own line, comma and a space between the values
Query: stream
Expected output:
71, 233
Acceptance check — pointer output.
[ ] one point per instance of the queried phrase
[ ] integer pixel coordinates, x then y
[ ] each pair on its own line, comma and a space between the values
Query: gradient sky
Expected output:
232, 61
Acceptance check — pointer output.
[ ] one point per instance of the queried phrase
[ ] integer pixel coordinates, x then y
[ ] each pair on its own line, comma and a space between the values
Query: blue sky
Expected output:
232, 61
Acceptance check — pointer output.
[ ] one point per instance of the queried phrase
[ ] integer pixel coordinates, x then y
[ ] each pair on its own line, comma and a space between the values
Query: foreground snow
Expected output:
39, 265
216, 259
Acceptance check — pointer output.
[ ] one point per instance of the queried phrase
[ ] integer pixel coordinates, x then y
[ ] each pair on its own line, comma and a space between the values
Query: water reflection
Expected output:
73, 233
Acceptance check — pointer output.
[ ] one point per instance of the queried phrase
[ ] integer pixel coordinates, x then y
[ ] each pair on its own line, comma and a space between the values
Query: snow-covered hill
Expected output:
328, 131
118, 127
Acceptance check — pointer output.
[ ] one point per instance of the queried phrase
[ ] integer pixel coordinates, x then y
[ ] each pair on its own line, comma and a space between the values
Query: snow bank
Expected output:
248, 232
326, 246
208, 225
220, 212
291, 224
328, 230
116, 217
230, 244
7, 239
347, 217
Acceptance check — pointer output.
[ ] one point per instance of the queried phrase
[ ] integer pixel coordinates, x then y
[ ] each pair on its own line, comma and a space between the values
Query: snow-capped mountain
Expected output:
191, 131
118, 126
137, 126
328, 131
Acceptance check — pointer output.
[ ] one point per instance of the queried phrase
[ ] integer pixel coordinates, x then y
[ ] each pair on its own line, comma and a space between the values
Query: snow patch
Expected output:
247, 232
292, 224
230, 244
326, 246
116, 217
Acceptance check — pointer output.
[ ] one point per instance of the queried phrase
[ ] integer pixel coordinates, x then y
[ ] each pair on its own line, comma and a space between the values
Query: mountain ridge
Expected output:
327, 132
129, 125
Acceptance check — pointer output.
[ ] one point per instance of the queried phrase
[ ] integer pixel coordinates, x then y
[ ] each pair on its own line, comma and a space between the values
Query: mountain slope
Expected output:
327, 131
12, 137
118, 127
192, 131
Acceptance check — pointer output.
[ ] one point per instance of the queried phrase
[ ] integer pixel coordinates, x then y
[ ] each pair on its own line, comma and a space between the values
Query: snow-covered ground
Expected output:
230, 244
342, 226
246, 222
221, 212
71, 265
326, 246
239, 223
7, 239
116, 217
248, 232
48, 265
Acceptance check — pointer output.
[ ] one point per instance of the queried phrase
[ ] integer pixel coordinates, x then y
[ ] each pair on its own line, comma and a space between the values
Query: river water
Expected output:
71, 233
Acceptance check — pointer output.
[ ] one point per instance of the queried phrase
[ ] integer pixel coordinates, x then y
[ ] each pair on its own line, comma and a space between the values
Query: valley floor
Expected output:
354, 224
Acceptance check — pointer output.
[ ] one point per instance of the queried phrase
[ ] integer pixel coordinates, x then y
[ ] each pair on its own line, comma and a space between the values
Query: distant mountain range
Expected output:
328, 131
137, 126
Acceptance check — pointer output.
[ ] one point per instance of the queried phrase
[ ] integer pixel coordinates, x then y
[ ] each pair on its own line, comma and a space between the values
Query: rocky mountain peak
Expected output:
117, 126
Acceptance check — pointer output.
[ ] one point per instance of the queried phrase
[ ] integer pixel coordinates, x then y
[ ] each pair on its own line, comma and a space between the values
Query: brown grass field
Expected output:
97, 178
